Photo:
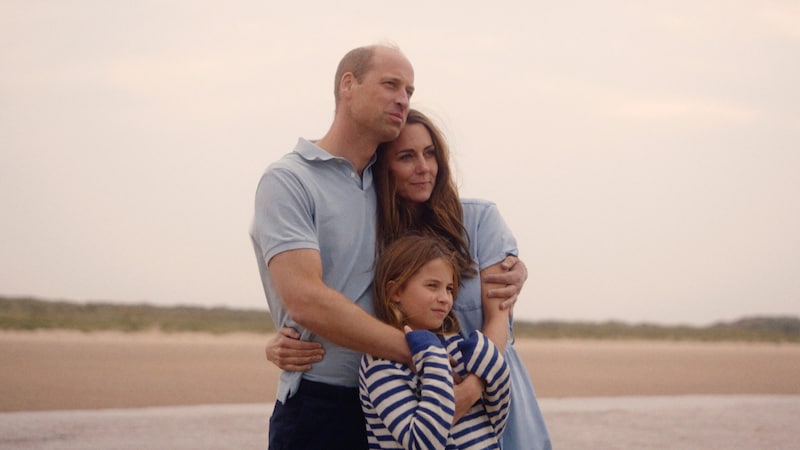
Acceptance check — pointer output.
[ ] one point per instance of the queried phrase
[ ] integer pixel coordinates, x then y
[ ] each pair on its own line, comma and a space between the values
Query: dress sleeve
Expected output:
419, 421
482, 358
494, 238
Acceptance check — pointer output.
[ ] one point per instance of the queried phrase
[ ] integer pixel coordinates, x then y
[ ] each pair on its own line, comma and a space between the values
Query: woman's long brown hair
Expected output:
441, 215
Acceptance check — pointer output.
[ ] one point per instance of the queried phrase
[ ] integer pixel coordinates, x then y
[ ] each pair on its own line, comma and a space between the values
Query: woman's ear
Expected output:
394, 292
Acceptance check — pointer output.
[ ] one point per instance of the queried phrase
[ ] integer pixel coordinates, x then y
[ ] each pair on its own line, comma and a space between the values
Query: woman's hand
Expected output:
289, 353
467, 391
512, 279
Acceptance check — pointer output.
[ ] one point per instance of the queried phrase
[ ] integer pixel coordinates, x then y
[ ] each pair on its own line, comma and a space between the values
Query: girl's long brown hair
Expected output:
441, 215
399, 261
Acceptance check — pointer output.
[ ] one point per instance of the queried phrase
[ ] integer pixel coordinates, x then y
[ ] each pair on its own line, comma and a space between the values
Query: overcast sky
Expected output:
646, 154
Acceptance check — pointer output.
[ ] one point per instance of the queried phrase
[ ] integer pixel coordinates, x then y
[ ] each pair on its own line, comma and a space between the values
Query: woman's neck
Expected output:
416, 212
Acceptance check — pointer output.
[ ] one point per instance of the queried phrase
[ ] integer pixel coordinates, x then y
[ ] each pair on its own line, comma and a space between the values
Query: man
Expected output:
314, 237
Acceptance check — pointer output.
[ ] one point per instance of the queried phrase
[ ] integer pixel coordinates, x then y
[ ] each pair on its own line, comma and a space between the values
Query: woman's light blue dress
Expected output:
490, 241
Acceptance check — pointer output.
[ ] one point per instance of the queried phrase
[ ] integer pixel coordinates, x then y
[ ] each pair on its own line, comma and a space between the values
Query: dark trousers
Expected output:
318, 417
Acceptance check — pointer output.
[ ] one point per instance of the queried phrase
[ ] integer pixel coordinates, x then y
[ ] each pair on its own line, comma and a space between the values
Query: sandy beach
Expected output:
594, 394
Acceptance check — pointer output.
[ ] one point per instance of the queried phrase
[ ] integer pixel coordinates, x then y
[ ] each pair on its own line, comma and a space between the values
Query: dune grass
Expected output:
38, 314
752, 329
35, 314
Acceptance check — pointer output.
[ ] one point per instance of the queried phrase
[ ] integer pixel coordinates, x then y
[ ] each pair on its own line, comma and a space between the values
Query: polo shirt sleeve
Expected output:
284, 214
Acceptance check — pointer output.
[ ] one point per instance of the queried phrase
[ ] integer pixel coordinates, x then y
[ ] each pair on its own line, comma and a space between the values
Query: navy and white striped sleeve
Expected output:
415, 421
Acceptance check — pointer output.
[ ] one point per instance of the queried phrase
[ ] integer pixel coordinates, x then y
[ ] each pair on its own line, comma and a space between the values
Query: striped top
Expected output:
407, 410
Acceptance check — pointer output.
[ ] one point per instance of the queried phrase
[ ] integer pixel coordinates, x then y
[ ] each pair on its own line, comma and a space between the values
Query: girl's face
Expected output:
412, 163
427, 297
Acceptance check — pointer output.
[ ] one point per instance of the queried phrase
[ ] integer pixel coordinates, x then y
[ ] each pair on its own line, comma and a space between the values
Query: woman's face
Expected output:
412, 163
427, 297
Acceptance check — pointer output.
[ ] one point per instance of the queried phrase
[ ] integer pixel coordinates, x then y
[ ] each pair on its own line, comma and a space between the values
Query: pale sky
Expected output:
646, 154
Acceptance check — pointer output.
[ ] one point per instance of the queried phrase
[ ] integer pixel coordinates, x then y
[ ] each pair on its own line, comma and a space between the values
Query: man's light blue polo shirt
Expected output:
310, 199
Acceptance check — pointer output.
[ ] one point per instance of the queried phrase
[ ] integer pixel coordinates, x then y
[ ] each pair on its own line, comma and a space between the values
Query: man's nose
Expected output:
403, 99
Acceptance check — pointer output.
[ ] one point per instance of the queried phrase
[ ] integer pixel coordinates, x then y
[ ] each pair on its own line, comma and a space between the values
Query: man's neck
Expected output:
350, 145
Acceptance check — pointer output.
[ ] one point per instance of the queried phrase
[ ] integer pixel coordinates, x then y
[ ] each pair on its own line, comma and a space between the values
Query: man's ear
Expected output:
346, 83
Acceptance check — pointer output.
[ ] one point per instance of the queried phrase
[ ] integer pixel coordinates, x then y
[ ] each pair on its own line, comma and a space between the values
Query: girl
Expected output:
415, 280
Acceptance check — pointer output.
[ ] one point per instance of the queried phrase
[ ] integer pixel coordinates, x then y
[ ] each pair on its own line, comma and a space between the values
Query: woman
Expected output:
416, 192
413, 407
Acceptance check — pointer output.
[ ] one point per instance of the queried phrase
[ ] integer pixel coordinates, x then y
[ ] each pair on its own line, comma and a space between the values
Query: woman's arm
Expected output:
495, 317
288, 352
508, 281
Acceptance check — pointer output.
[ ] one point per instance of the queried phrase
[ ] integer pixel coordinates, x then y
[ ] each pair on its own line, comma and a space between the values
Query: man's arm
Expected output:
297, 276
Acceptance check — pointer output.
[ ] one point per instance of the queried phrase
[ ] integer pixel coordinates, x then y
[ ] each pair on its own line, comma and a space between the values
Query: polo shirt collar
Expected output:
310, 151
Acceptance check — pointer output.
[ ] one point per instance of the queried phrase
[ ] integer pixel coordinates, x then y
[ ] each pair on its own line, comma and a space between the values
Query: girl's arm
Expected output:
495, 327
414, 422
482, 358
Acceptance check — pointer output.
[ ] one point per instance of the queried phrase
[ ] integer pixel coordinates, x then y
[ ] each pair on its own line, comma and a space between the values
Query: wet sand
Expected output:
113, 390
643, 423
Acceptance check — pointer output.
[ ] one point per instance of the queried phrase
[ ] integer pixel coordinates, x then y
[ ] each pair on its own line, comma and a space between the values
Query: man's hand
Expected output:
512, 279
288, 352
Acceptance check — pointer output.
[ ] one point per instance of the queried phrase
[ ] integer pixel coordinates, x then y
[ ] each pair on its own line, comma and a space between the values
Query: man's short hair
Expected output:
357, 61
